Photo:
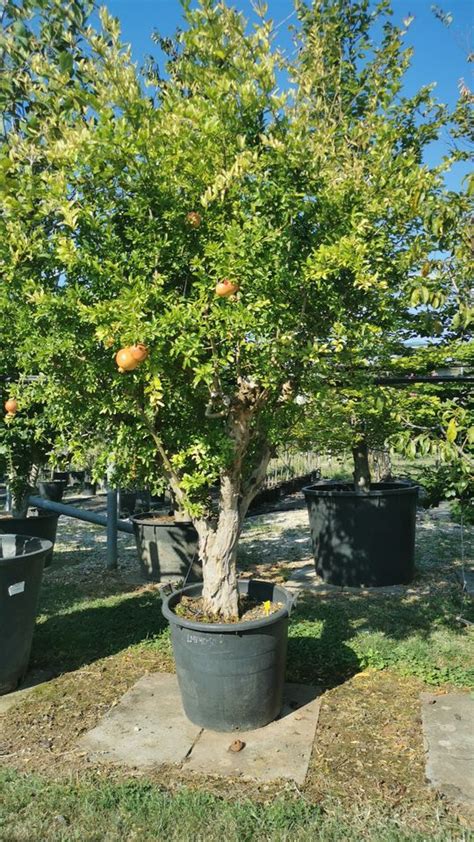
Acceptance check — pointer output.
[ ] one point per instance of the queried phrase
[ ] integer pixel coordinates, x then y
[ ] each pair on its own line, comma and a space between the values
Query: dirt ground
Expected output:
368, 746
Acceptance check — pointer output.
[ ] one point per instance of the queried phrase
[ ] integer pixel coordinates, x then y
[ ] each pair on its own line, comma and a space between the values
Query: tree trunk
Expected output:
34, 474
218, 551
218, 544
362, 479
381, 465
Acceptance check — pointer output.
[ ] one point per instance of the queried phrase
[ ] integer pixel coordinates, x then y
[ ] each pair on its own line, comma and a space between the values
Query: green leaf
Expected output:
451, 430
66, 62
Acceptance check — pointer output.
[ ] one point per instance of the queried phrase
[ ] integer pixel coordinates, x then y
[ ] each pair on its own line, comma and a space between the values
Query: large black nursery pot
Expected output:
40, 525
127, 502
363, 539
167, 549
21, 569
52, 489
231, 675
61, 475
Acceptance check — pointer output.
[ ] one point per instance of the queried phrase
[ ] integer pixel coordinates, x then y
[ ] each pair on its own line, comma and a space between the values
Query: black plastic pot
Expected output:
167, 552
90, 487
42, 525
363, 539
21, 569
77, 477
127, 502
51, 489
231, 676
63, 475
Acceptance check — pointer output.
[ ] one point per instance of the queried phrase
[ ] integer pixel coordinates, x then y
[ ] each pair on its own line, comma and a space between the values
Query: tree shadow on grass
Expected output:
65, 642
321, 630
74, 585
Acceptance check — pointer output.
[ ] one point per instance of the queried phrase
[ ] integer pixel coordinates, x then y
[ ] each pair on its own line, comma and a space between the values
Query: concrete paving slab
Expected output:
146, 728
34, 679
448, 731
281, 749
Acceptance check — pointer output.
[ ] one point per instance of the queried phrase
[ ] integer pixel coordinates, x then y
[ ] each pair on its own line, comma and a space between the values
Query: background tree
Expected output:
123, 213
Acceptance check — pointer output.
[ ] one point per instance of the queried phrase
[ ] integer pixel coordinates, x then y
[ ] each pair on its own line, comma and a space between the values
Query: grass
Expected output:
97, 811
138, 810
372, 654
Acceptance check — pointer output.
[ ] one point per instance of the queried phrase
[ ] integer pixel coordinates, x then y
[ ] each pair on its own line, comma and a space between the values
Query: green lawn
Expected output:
371, 653
98, 811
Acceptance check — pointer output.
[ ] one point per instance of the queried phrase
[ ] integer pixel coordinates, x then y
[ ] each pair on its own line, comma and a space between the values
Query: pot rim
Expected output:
151, 518
6, 516
226, 628
338, 488
46, 546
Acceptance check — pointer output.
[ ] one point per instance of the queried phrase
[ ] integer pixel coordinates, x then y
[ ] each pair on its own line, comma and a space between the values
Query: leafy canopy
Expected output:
312, 197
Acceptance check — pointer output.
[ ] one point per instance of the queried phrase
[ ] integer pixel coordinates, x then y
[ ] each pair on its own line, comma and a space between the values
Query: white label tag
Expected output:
18, 587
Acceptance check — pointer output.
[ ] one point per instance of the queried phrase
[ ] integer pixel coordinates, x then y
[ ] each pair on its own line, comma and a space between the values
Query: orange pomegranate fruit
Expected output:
139, 351
226, 287
194, 219
125, 360
11, 406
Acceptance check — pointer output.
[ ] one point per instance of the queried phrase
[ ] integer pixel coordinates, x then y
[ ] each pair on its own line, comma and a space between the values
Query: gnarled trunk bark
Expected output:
218, 542
362, 479
381, 465
218, 551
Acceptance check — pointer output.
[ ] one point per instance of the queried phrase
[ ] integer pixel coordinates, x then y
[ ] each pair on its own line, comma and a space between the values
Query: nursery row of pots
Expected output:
358, 539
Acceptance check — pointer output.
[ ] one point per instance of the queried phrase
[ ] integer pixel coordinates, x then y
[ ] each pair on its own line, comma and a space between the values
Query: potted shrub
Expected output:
363, 532
223, 246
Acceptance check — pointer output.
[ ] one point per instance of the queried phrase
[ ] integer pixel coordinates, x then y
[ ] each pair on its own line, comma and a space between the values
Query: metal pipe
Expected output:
112, 521
79, 514
422, 378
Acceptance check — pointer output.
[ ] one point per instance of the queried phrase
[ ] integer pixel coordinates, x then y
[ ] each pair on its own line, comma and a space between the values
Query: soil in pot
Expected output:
40, 525
231, 675
363, 539
192, 608
167, 549
21, 569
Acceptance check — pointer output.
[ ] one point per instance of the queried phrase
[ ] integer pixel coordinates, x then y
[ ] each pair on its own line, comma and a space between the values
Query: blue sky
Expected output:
440, 52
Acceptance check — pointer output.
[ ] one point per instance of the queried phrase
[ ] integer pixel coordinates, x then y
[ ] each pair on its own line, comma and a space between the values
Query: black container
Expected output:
21, 569
63, 475
51, 489
77, 477
167, 551
231, 675
42, 525
90, 487
127, 502
363, 539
